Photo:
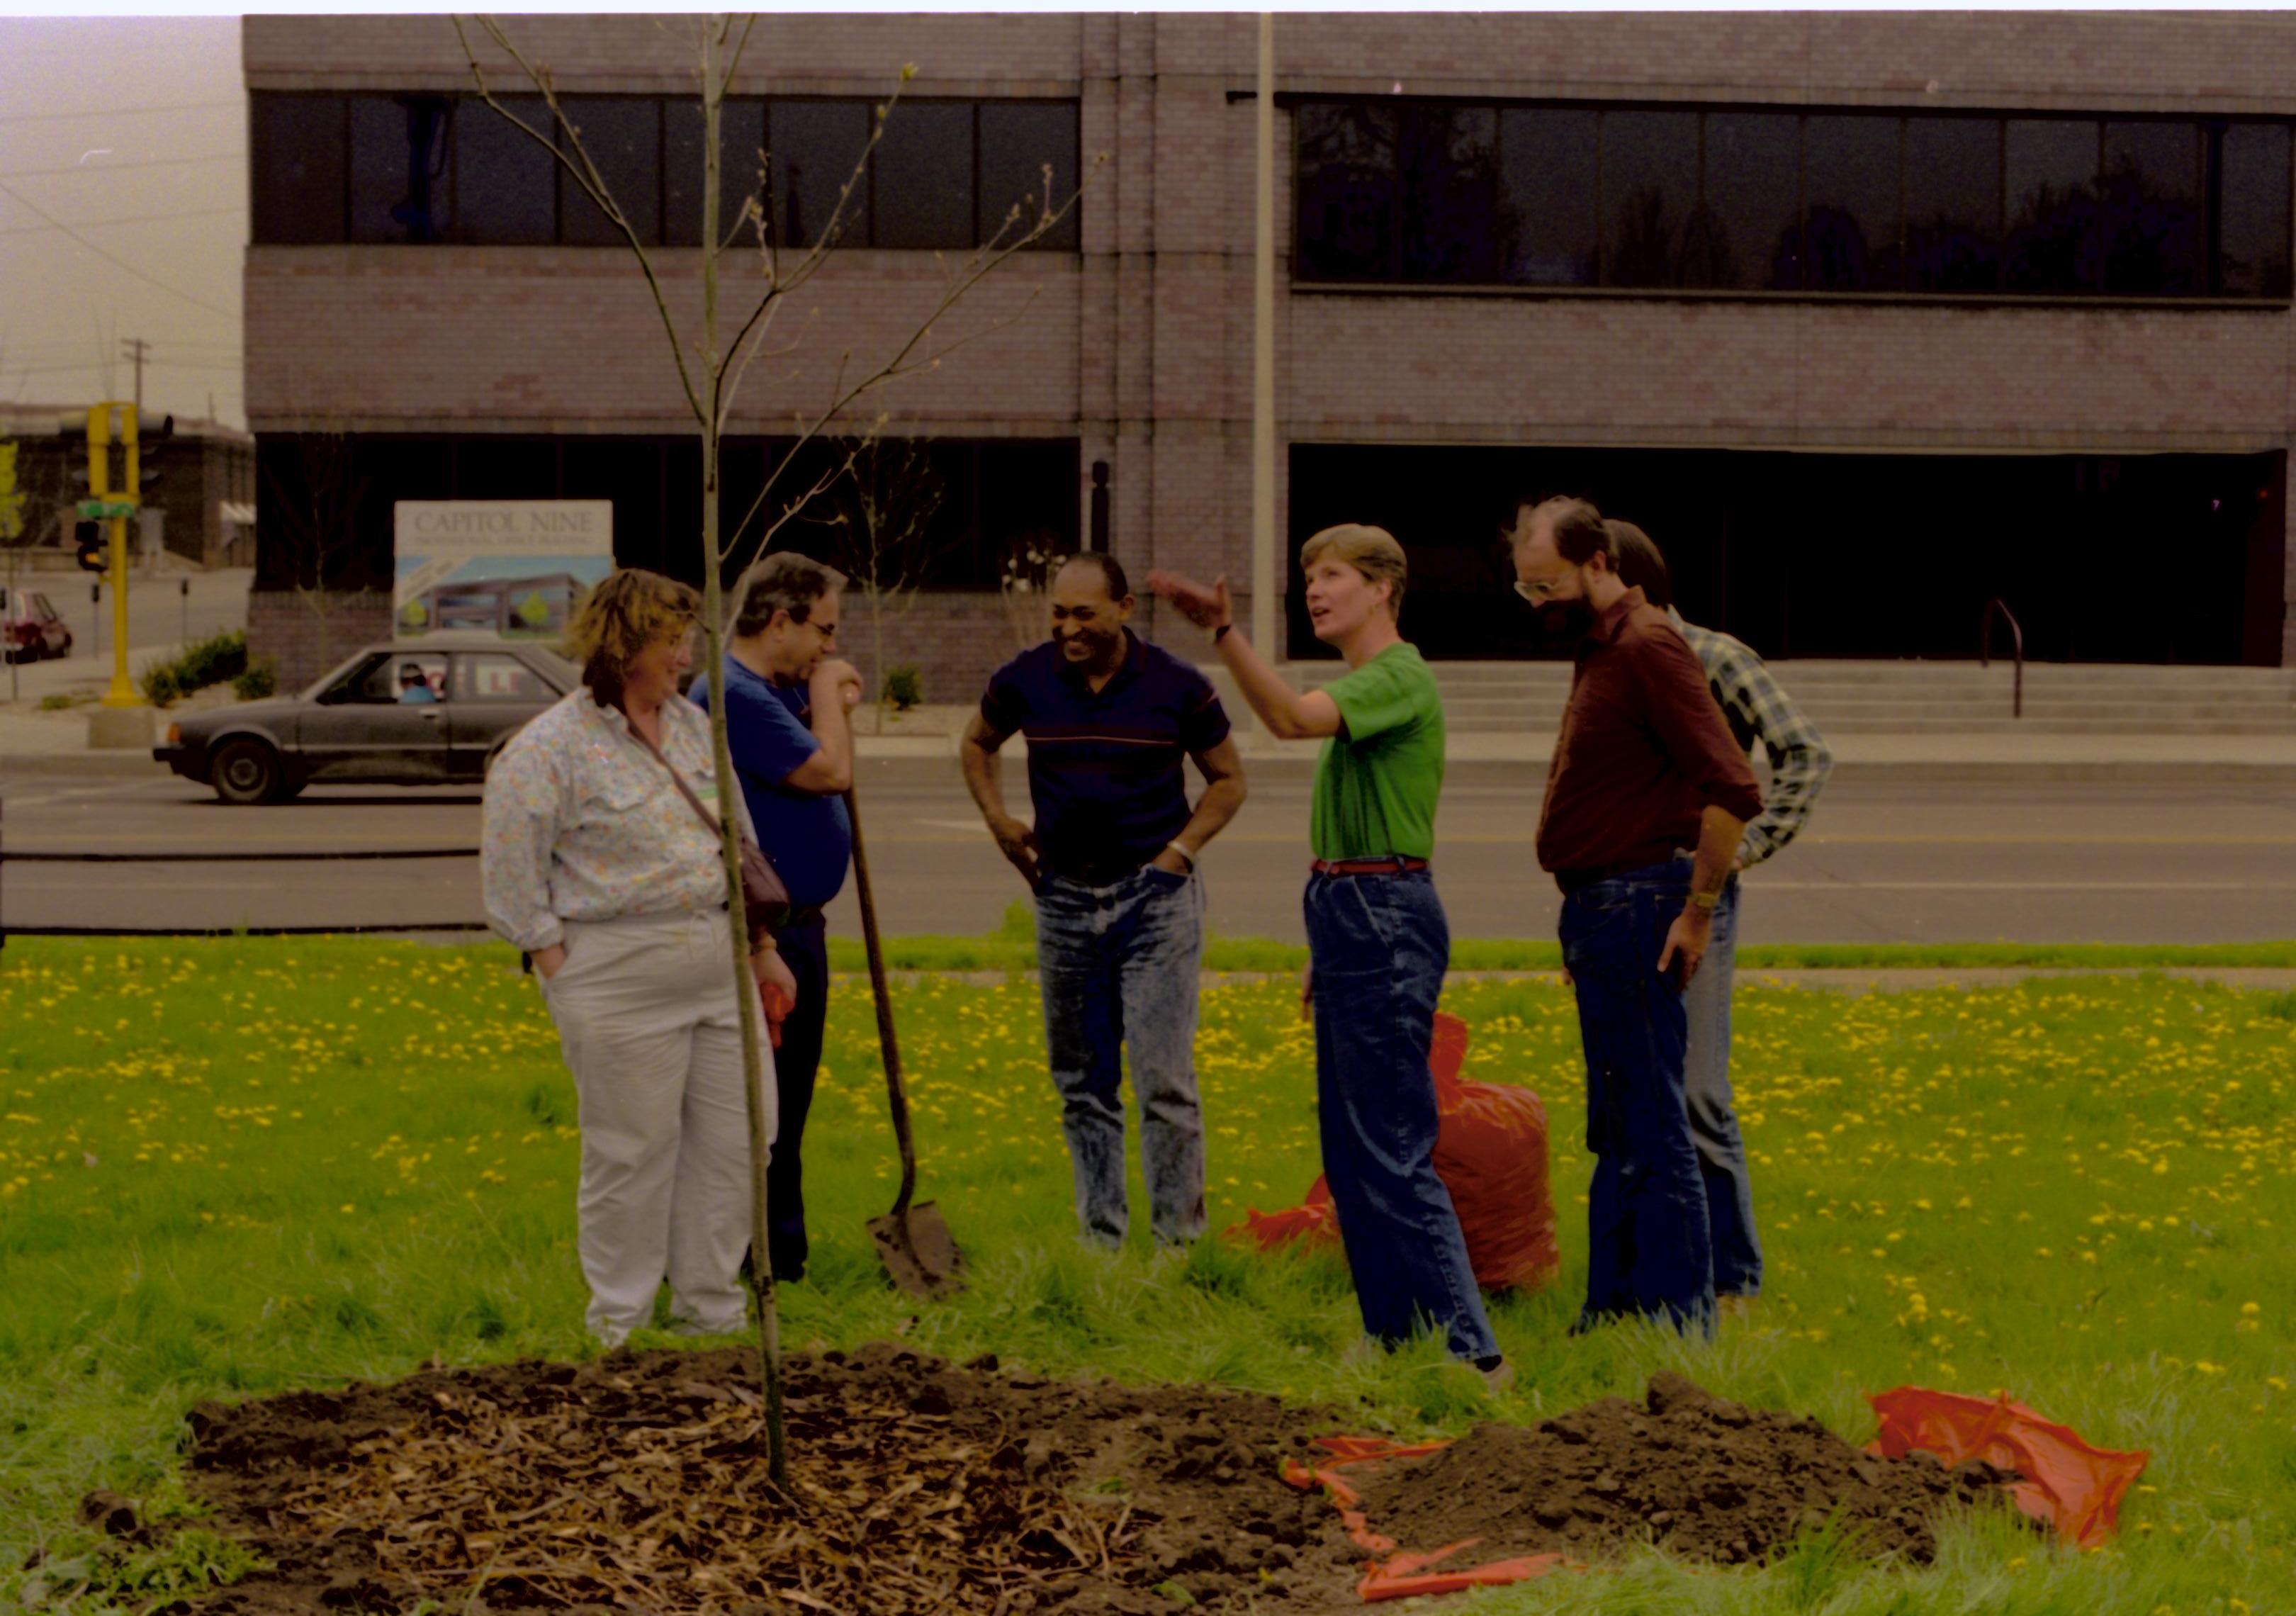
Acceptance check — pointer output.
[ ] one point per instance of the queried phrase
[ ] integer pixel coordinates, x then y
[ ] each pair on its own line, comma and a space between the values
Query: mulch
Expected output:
637, 1482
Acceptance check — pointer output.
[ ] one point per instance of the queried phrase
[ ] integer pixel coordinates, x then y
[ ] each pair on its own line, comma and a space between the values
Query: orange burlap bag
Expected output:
1490, 1152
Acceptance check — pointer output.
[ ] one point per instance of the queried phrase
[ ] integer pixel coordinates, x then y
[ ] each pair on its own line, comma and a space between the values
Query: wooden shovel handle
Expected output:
886, 1038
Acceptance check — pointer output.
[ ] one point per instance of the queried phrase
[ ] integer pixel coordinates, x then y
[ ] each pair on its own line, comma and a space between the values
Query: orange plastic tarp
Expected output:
1490, 1152
2075, 1488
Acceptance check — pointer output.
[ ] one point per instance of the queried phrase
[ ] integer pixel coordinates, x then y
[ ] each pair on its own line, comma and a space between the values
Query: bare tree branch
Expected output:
587, 175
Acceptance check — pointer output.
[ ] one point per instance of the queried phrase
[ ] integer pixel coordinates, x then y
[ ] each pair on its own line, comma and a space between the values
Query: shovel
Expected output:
912, 1242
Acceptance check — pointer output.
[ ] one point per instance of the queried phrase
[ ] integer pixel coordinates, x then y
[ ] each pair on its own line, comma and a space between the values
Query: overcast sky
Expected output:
133, 132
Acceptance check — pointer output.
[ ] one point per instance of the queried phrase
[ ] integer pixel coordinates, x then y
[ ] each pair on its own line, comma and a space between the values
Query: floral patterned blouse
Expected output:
582, 824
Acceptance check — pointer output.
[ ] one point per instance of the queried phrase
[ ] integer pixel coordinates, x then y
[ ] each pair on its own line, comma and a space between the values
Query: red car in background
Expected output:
31, 629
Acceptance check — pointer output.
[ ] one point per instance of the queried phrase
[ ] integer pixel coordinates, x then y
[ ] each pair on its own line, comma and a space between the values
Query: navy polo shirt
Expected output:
807, 837
1105, 768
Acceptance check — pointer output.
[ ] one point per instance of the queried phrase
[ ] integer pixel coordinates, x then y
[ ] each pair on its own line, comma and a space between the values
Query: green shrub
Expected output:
904, 687
59, 702
260, 679
212, 661
160, 684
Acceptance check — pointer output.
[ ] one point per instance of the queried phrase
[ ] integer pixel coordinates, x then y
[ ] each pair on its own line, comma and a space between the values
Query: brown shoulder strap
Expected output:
707, 820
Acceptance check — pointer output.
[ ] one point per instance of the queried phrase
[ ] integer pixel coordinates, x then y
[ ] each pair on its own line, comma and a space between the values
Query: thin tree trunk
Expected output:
713, 630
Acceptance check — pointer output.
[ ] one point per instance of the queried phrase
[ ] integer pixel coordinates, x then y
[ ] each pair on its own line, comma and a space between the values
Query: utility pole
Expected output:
1264, 571
137, 347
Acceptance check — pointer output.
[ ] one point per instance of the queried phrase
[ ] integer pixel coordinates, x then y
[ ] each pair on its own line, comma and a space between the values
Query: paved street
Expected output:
1884, 862
161, 614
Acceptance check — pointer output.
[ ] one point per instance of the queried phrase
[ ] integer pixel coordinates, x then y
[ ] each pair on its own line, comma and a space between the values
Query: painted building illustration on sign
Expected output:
513, 567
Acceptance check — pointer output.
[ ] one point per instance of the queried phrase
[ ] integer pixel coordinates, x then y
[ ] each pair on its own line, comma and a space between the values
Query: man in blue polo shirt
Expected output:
1112, 862
787, 698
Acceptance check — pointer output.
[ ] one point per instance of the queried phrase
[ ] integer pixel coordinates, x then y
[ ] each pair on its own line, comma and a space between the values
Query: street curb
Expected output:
127, 763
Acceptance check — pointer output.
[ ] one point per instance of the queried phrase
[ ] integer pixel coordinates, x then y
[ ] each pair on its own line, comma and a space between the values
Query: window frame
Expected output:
464, 104
2207, 125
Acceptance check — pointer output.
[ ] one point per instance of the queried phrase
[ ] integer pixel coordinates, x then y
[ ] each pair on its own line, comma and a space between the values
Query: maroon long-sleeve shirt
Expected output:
1643, 750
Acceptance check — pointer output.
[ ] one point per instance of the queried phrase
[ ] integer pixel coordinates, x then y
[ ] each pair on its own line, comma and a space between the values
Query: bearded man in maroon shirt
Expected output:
1646, 798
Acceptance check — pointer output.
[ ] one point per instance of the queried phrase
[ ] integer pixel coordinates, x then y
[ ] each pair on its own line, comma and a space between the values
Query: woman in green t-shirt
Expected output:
1377, 940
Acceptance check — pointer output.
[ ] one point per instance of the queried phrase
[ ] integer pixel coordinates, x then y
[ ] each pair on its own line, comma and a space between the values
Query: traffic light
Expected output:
90, 551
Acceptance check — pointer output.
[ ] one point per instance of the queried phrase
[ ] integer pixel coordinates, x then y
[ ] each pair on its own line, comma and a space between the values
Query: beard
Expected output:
1563, 624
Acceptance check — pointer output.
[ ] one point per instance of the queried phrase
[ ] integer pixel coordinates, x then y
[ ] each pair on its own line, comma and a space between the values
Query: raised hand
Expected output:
1205, 607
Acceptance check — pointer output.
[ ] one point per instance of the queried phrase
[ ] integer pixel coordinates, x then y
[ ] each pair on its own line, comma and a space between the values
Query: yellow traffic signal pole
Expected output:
123, 692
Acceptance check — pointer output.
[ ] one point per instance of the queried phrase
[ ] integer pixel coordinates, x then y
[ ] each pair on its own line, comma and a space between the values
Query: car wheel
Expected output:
246, 771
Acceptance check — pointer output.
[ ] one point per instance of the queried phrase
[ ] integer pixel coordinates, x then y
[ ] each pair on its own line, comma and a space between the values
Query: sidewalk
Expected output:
56, 743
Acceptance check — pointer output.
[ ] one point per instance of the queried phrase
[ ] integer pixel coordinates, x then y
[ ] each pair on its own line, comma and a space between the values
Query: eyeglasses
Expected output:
1538, 595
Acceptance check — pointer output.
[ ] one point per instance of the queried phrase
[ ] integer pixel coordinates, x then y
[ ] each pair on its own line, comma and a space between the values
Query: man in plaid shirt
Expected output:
1756, 710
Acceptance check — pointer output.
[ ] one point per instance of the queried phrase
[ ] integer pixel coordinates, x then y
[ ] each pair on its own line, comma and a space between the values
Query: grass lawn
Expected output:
238, 1166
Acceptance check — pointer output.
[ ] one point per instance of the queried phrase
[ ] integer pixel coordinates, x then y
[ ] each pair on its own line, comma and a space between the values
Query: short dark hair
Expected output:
784, 581
1640, 562
1111, 570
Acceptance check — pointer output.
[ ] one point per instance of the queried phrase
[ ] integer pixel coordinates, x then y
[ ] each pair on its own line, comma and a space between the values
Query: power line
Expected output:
141, 162
125, 219
180, 106
69, 370
115, 261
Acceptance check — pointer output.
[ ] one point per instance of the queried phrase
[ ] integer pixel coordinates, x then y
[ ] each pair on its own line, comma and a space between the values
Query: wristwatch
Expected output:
1706, 901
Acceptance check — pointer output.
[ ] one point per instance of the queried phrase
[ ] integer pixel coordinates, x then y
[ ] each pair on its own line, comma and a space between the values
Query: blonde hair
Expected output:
631, 610
1370, 551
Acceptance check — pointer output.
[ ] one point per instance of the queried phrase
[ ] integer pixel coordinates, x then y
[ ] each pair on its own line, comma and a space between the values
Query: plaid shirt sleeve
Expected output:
1800, 759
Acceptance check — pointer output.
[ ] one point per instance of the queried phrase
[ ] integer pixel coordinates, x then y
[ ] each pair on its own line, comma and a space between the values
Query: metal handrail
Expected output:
2017, 647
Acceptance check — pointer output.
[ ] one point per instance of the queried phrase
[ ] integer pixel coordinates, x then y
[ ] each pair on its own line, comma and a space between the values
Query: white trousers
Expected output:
646, 1013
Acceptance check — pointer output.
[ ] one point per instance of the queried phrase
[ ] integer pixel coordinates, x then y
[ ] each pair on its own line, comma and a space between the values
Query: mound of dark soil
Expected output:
637, 1482
1703, 1477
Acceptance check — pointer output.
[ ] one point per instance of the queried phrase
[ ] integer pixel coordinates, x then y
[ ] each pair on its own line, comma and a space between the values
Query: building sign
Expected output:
513, 567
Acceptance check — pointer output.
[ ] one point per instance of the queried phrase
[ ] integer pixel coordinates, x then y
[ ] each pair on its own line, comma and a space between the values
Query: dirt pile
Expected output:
637, 1482
1701, 1476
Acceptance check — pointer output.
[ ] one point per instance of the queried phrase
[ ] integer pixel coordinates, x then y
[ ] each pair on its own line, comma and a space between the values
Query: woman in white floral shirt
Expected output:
596, 865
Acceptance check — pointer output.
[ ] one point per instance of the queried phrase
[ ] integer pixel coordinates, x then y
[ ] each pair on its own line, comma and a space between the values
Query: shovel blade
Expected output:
919, 1253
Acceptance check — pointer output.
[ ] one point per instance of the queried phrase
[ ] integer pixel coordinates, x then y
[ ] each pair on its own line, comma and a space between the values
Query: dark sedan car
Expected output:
427, 711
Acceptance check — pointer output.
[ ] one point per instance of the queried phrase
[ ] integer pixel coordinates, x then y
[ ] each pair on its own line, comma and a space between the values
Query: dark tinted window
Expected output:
1448, 159
1350, 202
1850, 184
2253, 248
923, 194
1547, 197
740, 144
1953, 204
1749, 233
814, 145
2053, 239
399, 167
2153, 221
1650, 189
505, 181
622, 134
296, 167
1018, 140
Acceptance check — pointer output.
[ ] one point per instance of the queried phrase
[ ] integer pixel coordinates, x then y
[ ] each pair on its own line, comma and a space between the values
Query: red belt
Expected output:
1366, 866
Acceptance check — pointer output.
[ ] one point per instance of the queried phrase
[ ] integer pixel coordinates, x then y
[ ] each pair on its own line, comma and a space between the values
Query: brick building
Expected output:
205, 492
1868, 318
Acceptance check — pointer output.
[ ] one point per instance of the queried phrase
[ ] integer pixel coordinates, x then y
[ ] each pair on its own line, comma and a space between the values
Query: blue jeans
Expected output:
805, 949
1713, 1118
1378, 946
1118, 965
1649, 1252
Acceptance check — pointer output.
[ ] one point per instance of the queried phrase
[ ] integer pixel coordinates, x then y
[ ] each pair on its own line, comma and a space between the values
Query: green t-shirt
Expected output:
1377, 782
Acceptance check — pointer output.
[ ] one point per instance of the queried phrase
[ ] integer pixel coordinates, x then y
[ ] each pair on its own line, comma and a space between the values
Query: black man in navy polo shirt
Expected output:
1112, 862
